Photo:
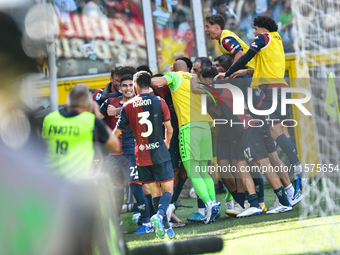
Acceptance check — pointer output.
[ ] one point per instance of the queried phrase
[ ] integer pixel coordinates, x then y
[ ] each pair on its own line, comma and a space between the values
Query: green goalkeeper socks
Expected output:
202, 182
228, 197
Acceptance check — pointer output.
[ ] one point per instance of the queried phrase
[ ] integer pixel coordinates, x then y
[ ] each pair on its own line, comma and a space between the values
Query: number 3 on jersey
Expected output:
144, 120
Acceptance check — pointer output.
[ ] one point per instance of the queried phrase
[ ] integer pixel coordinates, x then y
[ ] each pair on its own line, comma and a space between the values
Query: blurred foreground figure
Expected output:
41, 214
70, 136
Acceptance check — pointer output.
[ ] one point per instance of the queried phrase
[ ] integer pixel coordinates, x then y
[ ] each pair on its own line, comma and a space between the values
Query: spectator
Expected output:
285, 20
71, 67
223, 7
276, 7
65, 5
127, 9
207, 11
220, 7
93, 8
262, 8
162, 13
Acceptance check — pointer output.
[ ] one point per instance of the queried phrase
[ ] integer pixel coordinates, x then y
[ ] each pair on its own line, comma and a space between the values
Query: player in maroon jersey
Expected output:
145, 114
124, 161
111, 88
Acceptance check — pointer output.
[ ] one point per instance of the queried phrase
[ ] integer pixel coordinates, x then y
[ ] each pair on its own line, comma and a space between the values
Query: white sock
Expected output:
290, 190
201, 211
147, 224
303, 182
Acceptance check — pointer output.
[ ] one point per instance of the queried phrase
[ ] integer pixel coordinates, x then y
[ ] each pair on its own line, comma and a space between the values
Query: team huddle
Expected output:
160, 136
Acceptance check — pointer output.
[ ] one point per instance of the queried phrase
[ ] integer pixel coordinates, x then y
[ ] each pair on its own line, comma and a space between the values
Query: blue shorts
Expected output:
116, 165
162, 172
251, 146
174, 152
133, 167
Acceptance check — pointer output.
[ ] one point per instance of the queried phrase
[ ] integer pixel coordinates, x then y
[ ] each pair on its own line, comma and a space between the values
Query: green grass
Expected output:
264, 234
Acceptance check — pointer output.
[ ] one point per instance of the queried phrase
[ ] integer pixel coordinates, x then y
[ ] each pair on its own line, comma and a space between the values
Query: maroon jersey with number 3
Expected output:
145, 114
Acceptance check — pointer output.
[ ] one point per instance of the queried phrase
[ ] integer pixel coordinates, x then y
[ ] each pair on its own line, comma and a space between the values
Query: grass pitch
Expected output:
280, 233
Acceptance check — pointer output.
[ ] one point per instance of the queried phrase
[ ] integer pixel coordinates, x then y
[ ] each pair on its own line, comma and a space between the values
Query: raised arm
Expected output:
158, 81
260, 42
240, 63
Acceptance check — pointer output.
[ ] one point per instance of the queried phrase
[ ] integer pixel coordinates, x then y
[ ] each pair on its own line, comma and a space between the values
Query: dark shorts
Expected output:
235, 145
224, 143
287, 116
162, 172
174, 152
223, 149
269, 142
267, 103
228, 149
258, 97
251, 147
116, 165
227, 144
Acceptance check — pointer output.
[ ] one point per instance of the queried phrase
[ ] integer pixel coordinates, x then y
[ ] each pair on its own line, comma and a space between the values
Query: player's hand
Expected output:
239, 73
220, 75
111, 110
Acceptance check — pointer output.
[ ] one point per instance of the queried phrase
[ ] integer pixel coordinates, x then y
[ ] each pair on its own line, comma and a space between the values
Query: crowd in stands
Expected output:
174, 27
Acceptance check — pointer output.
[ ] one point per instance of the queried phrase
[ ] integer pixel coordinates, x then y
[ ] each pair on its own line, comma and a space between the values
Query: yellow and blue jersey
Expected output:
231, 44
269, 60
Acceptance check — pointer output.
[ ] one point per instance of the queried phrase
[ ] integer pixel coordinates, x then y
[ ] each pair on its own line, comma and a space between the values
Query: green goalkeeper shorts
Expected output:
195, 141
